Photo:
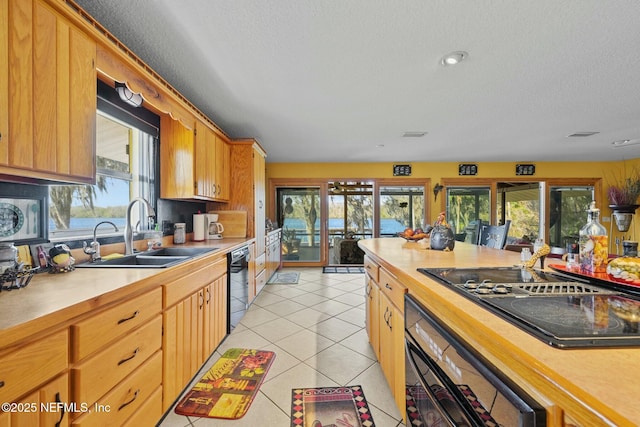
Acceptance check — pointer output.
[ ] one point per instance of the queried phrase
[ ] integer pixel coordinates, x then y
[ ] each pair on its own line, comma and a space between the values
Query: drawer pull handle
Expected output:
135, 396
208, 296
1, 384
129, 318
135, 353
58, 400
386, 285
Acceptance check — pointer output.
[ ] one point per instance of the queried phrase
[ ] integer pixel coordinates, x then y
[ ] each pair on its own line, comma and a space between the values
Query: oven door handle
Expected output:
412, 349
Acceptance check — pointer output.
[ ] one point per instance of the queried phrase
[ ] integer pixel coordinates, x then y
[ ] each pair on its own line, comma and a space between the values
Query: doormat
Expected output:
343, 269
228, 388
284, 278
330, 406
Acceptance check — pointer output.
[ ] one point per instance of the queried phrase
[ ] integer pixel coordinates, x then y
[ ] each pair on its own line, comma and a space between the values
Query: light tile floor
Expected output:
317, 330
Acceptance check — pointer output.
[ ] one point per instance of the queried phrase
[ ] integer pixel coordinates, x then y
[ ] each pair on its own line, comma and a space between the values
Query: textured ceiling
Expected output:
342, 80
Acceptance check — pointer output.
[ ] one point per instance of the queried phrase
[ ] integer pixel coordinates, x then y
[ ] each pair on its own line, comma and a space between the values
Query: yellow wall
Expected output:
607, 171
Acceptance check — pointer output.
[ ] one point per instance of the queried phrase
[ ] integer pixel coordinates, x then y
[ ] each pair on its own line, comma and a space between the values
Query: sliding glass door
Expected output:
350, 210
400, 207
299, 214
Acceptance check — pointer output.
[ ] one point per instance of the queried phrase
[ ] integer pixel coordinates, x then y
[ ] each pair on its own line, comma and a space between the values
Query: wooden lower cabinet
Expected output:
372, 317
273, 252
124, 400
391, 355
26, 366
385, 327
41, 408
193, 327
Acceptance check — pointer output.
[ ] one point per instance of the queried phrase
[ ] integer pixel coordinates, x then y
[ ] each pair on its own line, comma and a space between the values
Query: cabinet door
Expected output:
51, 395
260, 215
179, 342
391, 346
176, 159
4, 82
373, 314
52, 95
200, 160
397, 347
82, 106
20, 52
222, 169
215, 315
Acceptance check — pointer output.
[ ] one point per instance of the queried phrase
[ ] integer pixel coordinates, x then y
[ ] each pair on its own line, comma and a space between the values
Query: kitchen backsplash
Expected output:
168, 211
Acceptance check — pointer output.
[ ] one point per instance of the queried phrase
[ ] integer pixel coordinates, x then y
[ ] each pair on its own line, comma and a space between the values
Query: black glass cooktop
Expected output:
556, 309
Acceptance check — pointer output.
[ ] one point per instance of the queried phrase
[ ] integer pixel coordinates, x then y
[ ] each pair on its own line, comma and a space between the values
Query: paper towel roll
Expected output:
199, 221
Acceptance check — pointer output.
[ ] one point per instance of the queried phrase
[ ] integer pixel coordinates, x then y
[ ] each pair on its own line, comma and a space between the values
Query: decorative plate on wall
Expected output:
20, 219
11, 219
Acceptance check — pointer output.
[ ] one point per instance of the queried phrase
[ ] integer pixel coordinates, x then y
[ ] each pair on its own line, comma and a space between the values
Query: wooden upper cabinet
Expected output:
177, 153
4, 81
223, 169
48, 120
212, 164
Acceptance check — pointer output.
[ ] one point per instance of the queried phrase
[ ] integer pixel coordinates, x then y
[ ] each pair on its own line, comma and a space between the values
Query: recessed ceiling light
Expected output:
581, 134
625, 143
453, 58
413, 134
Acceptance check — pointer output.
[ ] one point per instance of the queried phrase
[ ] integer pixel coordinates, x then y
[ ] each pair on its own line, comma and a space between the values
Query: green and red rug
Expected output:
229, 387
330, 406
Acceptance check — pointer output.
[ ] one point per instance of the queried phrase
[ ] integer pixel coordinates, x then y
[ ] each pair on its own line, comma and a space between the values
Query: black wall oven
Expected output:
449, 384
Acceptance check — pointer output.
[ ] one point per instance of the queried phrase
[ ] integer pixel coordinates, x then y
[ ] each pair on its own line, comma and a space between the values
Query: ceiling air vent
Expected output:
581, 134
413, 134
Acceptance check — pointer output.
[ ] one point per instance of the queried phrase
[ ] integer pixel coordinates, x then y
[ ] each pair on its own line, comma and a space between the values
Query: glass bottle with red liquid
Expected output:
593, 243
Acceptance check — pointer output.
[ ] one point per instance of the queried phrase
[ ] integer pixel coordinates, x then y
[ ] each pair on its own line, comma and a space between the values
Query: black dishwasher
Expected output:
238, 286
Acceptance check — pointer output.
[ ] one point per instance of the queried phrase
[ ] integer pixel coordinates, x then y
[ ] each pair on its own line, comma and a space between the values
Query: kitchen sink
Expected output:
157, 258
177, 251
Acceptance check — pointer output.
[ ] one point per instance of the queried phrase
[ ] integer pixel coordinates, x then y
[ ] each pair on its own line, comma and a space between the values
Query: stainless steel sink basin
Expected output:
158, 258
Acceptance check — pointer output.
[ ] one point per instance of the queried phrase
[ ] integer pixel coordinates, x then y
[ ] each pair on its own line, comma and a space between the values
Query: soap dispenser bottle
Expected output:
593, 242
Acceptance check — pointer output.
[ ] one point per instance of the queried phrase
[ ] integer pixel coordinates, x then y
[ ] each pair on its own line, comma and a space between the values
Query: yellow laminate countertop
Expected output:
592, 386
53, 299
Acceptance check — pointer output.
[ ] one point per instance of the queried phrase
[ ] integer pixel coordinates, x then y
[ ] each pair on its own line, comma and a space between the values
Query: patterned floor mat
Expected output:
228, 388
330, 406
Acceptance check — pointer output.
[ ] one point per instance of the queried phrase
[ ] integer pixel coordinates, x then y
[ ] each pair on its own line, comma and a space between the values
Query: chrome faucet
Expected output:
94, 248
128, 229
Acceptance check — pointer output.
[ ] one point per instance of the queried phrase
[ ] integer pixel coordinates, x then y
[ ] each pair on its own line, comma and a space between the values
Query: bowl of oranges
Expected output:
414, 235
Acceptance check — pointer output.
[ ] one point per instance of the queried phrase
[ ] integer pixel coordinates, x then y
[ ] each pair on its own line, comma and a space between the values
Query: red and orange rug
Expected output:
229, 387
330, 406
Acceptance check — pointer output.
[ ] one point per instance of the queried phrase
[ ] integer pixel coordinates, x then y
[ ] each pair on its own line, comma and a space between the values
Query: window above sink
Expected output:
126, 160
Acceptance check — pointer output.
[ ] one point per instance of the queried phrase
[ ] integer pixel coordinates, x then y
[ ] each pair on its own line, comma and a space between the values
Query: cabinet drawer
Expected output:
26, 367
371, 268
97, 331
98, 374
180, 289
127, 397
260, 263
149, 412
261, 280
393, 289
